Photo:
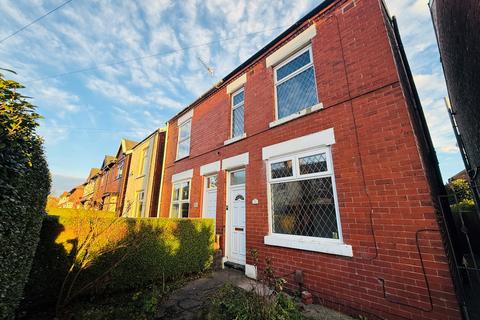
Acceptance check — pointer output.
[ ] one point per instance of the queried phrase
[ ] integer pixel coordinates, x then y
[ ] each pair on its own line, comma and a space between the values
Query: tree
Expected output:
24, 186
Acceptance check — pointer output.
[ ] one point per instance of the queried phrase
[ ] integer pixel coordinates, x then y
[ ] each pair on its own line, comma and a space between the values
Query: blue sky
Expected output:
87, 113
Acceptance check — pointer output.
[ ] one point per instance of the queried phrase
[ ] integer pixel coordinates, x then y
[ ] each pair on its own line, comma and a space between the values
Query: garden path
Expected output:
191, 301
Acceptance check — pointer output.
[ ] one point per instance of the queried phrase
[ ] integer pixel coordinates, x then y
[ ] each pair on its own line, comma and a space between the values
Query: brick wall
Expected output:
386, 209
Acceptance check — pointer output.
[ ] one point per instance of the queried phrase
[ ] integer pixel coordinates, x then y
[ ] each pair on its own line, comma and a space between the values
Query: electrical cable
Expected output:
158, 54
34, 21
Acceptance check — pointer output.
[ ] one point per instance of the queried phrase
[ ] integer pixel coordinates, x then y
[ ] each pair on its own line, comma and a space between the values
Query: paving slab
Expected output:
192, 300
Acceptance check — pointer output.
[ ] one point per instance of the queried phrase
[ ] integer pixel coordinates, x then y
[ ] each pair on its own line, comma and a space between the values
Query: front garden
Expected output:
92, 265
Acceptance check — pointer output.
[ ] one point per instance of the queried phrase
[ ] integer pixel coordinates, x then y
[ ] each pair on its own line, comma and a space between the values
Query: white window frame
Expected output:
290, 76
236, 106
142, 201
180, 201
143, 161
187, 122
120, 167
325, 245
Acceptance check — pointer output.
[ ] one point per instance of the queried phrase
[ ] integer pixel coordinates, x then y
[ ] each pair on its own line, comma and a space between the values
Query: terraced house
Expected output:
315, 152
144, 177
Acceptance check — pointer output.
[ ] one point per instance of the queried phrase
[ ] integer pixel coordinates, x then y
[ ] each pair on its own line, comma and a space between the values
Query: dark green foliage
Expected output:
231, 302
126, 255
24, 186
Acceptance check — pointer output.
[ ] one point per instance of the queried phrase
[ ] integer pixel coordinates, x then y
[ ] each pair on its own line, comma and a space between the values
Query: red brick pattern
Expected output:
384, 197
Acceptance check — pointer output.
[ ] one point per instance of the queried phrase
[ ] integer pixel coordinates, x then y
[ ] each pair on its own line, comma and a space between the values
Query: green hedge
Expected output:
24, 186
127, 254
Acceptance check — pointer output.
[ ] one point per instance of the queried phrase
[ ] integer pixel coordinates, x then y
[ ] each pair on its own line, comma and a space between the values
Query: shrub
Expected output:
231, 302
121, 255
24, 186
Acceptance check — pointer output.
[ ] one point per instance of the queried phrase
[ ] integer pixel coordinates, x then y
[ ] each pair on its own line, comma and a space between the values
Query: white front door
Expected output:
210, 206
236, 212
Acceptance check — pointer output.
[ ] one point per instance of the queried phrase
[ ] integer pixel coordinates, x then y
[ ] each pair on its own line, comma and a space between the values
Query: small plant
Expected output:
271, 303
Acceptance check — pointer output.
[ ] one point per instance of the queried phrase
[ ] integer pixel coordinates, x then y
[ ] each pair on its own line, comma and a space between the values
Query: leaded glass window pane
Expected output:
282, 169
294, 65
237, 121
184, 148
297, 93
304, 208
313, 164
185, 131
238, 98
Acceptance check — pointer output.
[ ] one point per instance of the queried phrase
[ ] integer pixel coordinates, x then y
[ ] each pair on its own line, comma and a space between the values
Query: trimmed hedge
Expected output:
126, 254
24, 186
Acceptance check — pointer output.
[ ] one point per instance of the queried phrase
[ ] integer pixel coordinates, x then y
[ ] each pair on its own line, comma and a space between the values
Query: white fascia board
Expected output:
185, 117
237, 83
292, 46
314, 140
210, 168
188, 174
235, 162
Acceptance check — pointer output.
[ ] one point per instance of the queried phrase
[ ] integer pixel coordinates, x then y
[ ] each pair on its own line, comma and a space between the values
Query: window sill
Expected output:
330, 246
299, 114
181, 158
235, 139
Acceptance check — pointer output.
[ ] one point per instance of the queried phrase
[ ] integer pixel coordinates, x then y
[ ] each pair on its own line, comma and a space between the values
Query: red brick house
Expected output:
315, 152
107, 187
75, 195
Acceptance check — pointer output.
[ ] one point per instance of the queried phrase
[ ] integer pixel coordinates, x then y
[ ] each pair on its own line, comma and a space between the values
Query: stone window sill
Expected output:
329, 246
296, 115
235, 139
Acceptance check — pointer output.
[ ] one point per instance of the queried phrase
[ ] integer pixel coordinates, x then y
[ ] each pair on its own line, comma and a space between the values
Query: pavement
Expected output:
192, 300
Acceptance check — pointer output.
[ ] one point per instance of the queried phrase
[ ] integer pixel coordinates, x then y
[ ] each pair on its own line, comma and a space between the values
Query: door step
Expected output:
233, 265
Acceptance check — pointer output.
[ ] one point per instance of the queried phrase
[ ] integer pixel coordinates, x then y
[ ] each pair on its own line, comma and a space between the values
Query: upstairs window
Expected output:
183, 148
120, 169
238, 98
295, 84
143, 162
180, 199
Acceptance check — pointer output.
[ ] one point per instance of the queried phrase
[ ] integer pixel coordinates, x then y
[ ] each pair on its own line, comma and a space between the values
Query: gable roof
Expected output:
323, 5
125, 145
107, 160
93, 173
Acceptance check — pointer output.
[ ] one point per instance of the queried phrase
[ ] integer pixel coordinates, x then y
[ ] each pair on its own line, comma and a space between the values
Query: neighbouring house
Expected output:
52, 201
75, 195
63, 200
456, 25
105, 195
144, 177
121, 168
315, 152
87, 200
460, 175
